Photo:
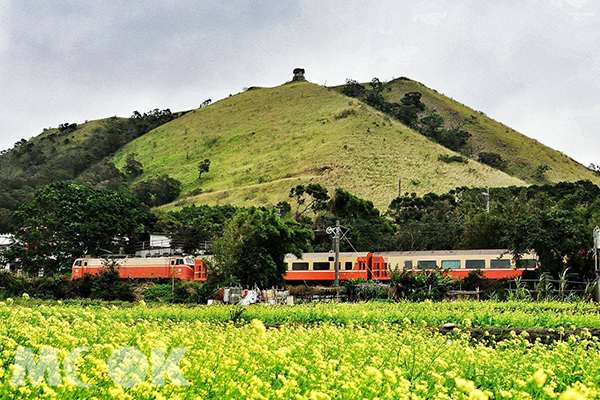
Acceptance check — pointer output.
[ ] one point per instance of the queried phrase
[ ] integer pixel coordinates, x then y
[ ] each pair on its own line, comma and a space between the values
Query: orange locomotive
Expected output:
319, 267
182, 267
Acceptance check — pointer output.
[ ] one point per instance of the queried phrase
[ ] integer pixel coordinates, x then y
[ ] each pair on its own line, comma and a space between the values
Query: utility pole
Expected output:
336, 232
596, 261
337, 236
487, 199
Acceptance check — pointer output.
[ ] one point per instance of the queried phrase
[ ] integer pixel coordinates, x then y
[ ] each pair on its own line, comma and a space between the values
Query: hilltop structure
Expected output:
298, 75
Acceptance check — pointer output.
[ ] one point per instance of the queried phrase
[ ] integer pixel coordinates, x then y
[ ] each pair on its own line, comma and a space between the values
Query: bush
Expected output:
494, 160
425, 285
178, 292
108, 285
158, 191
452, 159
349, 112
362, 290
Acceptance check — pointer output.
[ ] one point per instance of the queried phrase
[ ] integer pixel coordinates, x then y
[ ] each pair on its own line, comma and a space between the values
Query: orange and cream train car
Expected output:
181, 267
319, 267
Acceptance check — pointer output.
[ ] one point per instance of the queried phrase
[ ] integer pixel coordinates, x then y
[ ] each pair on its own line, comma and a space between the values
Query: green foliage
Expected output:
203, 167
157, 191
254, 245
74, 153
368, 230
312, 197
555, 221
65, 221
425, 285
133, 167
176, 292
540, 173
67, 128
108, 285
361, 290
193, 225
494, 160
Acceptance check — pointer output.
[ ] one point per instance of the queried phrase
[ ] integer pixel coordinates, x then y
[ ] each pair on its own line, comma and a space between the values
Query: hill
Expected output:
71, 152
523, 155
266, 140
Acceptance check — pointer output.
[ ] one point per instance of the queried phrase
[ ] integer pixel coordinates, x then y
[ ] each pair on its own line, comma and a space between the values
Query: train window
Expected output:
331, 258
451, 264
172, 262
427, 264
475, 264
321, 266
78, 263
348, 265
528, 263
180, 261
500, 264
85, 264
408, 264
300, 266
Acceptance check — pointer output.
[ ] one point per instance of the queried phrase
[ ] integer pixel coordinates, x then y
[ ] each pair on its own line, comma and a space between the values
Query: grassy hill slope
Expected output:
523, 154
264, 141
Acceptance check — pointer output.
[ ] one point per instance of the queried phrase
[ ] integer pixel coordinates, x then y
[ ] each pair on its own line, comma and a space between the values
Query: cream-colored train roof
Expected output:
432, 253
323, 255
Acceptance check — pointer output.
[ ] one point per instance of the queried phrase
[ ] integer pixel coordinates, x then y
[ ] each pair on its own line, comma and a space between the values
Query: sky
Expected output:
532, 64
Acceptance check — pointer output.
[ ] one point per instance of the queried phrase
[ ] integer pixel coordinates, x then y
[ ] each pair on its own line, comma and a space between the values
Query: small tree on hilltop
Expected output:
203, 167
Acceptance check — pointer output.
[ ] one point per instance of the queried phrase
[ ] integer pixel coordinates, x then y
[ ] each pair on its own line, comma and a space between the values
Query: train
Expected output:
186, 268
319, 267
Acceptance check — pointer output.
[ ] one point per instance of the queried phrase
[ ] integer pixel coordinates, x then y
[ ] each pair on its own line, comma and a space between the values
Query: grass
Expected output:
523, 154
264, 141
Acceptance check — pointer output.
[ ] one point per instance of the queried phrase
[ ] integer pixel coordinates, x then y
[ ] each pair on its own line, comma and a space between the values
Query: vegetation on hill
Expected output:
492, 142
73, 153
262, 142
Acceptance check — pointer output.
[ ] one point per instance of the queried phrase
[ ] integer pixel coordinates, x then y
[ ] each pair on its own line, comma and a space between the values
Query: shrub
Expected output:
108, 285
494, 160
349, 112
452, 159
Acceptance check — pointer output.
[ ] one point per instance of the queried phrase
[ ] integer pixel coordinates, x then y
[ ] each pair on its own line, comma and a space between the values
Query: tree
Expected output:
494, 160
65, 221
413, 99
353, 89
133, 167
312, 197
193, 225
432, 125
157, 191
203, 167
253, 248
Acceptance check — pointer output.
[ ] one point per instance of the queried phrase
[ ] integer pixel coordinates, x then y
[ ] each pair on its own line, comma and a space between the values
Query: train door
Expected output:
199, 270
378, 268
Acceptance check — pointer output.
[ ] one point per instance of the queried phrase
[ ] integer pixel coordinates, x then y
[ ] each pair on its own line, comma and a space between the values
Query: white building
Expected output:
5, 242
158, 244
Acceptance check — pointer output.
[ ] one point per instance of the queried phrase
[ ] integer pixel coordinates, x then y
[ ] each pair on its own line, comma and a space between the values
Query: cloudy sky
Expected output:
532, 64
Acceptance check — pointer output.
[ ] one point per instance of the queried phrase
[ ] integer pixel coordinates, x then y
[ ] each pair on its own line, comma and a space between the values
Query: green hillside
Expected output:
522, 154
264, 141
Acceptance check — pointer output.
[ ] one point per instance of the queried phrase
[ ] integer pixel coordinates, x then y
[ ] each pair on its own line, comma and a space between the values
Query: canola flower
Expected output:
320, 358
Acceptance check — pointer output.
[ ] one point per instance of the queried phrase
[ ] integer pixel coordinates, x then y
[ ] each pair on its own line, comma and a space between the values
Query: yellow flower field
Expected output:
252, 359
